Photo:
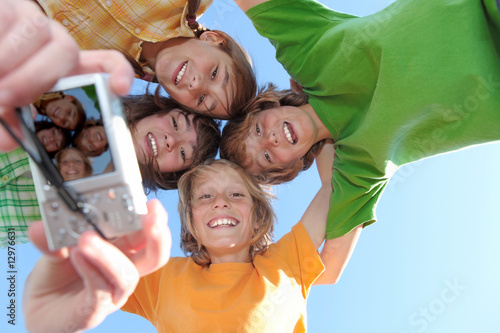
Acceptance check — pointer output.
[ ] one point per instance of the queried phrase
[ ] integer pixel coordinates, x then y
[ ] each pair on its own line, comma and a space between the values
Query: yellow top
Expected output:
121, 24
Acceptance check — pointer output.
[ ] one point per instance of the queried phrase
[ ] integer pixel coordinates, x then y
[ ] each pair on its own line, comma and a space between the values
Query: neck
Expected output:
321, 131
219, 257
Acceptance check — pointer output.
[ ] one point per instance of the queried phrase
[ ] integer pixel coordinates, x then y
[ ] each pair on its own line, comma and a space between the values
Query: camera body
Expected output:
112, 194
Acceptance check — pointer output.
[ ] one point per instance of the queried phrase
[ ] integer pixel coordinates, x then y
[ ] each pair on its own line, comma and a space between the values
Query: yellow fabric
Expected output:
266, 296
45, 98
121, 24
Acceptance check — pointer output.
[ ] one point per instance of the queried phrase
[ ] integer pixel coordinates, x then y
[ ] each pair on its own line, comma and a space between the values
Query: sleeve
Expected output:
145, 297
301, 257
357, 187
293, 27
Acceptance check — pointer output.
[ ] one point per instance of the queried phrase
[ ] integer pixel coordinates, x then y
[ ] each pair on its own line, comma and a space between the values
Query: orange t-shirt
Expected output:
268, 295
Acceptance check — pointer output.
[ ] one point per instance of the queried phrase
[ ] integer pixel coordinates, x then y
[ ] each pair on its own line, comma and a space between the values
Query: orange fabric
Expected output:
121, 24
266, 296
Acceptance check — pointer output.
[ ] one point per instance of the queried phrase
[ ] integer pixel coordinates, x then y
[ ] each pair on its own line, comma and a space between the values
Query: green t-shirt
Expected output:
416, 79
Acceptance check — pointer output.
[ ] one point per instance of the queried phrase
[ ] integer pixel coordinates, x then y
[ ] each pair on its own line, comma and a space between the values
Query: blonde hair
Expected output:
86, 161
262, 211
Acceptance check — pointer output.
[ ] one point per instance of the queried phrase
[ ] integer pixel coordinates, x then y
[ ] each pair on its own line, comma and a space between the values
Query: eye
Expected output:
201, 99
183, 154
174, 122
237, 195
266, 155
205, 196
257, 129
214, 73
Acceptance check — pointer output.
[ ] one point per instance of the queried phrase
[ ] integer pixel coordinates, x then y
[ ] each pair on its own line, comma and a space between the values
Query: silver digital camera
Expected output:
95, 157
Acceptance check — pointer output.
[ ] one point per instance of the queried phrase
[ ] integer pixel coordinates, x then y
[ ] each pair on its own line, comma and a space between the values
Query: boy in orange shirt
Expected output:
233, 278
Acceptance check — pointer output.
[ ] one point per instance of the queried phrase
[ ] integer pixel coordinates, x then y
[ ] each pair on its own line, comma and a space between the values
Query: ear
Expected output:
212, 37
256, 225
295, 87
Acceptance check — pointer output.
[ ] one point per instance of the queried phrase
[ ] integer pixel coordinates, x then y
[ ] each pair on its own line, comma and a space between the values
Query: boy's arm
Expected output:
335, 256
336, 252
74, 290
315, 216
32, 46
247, 4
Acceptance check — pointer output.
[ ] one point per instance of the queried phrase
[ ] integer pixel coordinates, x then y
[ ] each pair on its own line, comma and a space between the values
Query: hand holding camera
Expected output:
95, 277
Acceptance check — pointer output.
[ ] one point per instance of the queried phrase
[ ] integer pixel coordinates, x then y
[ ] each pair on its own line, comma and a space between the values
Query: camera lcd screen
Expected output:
70, 126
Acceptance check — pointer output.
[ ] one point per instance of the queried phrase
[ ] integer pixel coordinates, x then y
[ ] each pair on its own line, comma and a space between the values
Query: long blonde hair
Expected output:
262, 211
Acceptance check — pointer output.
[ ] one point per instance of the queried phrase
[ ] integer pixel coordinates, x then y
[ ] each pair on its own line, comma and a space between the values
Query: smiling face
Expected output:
51, 138
72, 165
279, 137
63, 113
169, 138
92, 140
221, 213
197, 73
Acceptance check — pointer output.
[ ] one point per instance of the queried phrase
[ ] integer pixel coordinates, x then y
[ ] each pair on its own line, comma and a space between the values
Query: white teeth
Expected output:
153, 144
219, 222
287, 133
181, 73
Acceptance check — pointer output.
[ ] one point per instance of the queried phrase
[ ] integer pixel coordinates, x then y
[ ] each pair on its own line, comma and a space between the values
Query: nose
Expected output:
196, 82
170, 142
221, 202
272, 139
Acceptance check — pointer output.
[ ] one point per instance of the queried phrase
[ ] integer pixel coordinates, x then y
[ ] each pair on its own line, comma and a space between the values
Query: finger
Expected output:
108, 61
54, 60
158, 240
28, 30
131, 243
36, 234
98, 299
118, 271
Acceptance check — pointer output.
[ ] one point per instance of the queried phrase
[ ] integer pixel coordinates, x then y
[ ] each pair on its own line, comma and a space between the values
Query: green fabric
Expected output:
18, 201
414, 80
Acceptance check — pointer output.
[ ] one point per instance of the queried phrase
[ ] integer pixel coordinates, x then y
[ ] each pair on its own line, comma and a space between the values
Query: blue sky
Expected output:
428, 265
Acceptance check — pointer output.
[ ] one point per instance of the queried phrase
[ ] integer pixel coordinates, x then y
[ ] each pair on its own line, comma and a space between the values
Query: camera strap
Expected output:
35, 149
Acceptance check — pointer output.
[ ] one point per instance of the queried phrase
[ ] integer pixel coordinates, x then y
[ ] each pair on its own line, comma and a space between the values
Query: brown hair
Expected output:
235, 132
78, 137
41, 107
262, 211
86, 162
41, 125
242, 74
208, 137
